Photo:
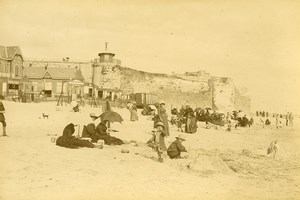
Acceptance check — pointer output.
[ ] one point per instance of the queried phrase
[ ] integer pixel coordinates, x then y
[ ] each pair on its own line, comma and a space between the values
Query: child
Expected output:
176, 147
229, 126
158, 140
2, 118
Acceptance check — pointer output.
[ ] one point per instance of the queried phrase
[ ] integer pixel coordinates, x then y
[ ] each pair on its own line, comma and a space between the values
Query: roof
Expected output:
9, 52
106, 53
54, 73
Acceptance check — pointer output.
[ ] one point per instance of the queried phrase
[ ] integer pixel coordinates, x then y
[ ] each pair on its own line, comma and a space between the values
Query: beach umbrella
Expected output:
111, 117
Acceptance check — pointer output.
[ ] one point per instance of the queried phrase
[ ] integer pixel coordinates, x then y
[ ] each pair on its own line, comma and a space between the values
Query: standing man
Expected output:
291, 119
106, 107
2, 118
287, 119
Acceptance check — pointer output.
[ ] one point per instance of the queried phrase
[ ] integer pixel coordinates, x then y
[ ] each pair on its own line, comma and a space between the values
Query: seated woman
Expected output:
69, 141
89, 131
101, 133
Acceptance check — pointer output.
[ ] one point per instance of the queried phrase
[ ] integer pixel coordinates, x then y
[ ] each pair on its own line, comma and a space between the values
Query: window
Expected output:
13, 86
16, 70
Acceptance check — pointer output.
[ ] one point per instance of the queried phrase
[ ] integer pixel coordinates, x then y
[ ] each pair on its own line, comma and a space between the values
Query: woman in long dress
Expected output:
133, 112
162, 113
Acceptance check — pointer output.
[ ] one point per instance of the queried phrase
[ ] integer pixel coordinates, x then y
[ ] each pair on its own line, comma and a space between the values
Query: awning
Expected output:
76, 83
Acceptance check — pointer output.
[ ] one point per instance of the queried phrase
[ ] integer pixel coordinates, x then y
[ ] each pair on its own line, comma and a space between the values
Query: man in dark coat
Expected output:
187, 114
176, 147
69, 141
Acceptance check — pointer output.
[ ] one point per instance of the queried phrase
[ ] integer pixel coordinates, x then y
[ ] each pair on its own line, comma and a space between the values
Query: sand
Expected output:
222, 165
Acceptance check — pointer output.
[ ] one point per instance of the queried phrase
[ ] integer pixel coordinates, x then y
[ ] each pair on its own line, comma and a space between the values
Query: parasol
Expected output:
111, 117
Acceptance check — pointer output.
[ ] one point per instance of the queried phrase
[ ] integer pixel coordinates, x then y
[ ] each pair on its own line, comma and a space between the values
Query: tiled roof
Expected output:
54, 72
9, 52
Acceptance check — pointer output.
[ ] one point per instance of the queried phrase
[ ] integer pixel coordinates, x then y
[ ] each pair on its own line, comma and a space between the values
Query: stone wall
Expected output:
242, 102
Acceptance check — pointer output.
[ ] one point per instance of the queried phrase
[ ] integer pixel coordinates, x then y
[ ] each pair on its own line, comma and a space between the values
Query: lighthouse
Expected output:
106, 74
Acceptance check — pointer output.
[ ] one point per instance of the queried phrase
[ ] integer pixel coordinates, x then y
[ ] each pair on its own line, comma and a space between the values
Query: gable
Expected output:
47, 75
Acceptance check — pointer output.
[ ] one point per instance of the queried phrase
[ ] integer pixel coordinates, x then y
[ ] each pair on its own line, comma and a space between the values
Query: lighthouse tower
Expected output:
106, 73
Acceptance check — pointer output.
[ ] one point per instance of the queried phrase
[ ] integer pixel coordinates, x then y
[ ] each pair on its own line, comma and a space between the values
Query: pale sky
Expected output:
257, 43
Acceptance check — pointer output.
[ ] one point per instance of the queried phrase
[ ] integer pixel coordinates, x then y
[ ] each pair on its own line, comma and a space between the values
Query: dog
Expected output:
45, 116
273, 148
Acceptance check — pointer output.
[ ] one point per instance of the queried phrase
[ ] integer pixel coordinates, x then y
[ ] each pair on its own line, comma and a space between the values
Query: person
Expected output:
268, 122
229, 126
287, 119
251, 121
291, 118
102, 134
188, 118
115, 97
2, 118
176, 147
89, 131
277, 122
32, 97
157, 142
69, 141
76, 108
164, 117
133, 112
107, 107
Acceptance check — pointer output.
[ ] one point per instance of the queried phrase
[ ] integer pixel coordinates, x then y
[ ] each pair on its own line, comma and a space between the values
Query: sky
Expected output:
256, 43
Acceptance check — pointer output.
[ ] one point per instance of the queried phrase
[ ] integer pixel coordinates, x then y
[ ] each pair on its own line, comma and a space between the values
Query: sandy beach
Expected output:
222, 165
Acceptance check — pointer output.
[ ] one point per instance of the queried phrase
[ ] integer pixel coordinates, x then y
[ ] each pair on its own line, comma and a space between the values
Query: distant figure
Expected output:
229, 126
106, 107
188, 118
2, 118
277, 122
115, 97
291, 118
273, 148
133, 112
251, 121
176, 147
268, 122
32, 97
287, 119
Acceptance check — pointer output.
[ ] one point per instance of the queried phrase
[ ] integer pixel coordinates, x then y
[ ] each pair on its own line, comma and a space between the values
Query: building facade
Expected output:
11, 70
56, 81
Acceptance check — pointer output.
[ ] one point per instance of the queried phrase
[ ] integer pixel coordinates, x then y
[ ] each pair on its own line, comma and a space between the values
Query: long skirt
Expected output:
166, 125
133, 115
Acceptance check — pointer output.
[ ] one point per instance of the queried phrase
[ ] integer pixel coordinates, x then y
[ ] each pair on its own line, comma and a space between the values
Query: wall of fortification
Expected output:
217, 93
223, 91
242, 102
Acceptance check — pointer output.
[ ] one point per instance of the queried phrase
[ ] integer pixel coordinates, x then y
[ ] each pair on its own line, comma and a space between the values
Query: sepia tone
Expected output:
219, 79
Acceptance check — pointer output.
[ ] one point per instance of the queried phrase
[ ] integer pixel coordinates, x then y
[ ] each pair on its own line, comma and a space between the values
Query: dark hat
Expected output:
160, 124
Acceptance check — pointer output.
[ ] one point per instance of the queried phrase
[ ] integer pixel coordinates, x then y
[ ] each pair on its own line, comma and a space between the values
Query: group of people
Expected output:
91, 133
157, 142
